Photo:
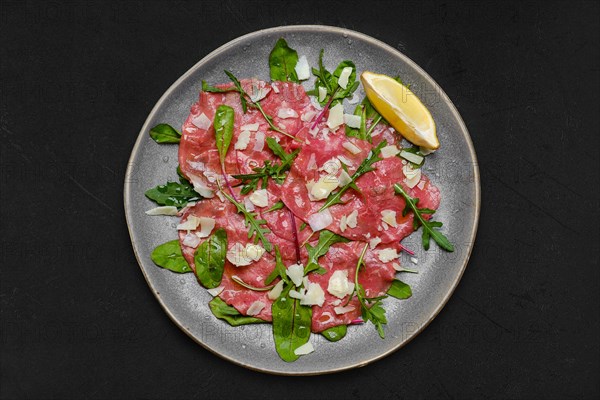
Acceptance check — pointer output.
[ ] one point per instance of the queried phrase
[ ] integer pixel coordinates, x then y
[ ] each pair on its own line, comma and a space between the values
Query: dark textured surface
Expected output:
78, 80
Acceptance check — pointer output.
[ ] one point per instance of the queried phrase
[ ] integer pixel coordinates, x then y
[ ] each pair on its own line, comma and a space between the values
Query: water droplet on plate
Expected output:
262, 345
345, 35
166, 159
174, 225
349, 42
243, 346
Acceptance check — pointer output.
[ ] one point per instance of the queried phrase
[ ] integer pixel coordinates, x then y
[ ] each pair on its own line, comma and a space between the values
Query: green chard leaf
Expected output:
363, 168
164, 133
282, 62
228, 313
335, 333
279, 270
176, 194
429, 226
326, 239
223, 123
209, 259
168, 255
291, 325
399, 290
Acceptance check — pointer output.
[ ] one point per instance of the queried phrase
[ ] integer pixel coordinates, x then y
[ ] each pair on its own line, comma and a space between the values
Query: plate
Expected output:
453, 169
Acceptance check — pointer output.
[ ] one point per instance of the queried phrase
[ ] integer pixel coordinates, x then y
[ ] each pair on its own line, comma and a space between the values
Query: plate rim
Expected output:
290, 29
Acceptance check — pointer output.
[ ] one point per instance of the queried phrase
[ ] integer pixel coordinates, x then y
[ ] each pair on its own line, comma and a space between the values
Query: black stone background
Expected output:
78, 80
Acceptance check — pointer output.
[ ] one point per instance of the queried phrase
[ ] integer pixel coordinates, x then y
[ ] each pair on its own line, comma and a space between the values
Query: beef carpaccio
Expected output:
325, 158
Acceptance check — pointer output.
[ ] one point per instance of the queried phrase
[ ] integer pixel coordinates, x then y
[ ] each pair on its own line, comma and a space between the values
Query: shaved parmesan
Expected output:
389, 151
339, 285
343, 310
344, 75
320, 220
294, 294
260, 141
374, 242
352, 219
241, 256
255, 308
260, 198
397, 267
275, 88
200, 187
276, 291
412, 175
243, 140
322, 93
190, 224
259, 93
413, 158
344, 178
351, 147
248, 204
323, 187
387, 255
389, 217
336, 116
314, 296
284, 113
302, 68
353, 121
306, 348
345, 160
312, 162
164, 210
343, 223
308, 116
250, 127
215, 291
414, 260
295, 273
201, 121
190, 240
207, 224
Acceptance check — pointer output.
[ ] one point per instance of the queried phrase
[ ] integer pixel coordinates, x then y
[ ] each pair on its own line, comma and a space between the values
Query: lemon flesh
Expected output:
401, 108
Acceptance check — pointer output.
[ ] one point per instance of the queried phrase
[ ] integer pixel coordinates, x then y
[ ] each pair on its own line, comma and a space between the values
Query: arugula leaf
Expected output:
363, 168
213, 89
399, 290
291, 325
209, 259
223, 123
428, 225
241, 282
279, 270
165, 133
176, 194
329, 81
277, 206
228, 313
370, 307
255, 226
168, 255
335, 333
282, 62
326, 239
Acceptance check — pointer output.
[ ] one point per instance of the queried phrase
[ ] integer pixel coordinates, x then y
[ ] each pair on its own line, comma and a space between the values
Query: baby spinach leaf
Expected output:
209, 259
291, 325
168, 255
164, 133
282, 62
335, 333
352, 82
176, 194
326, 239
399, 290
223, 123
228, 313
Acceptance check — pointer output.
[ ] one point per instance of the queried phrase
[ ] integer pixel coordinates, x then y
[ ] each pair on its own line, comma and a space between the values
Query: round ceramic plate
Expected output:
453, 169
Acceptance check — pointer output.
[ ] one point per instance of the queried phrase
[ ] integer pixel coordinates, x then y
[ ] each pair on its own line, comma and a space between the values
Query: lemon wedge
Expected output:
401, 108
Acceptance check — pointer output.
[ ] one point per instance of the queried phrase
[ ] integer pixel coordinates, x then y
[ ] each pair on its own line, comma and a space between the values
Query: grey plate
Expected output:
453, 169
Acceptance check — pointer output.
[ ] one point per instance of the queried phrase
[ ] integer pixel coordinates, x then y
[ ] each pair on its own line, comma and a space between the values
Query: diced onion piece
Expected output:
352, 219
295, 273
255, 308
389, 151
353, 121
201, 121
276, 291
343, 310
284, 113
314, 296
260, 141
190, 224
305, 349
339, 285
389, 217
302, 68
207, 224
260, 198
322, 93
243, 140
164, 210
250, 127
351, 147
413, 158
320, 220
336, 116
214, 292
387, 255
344, 75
